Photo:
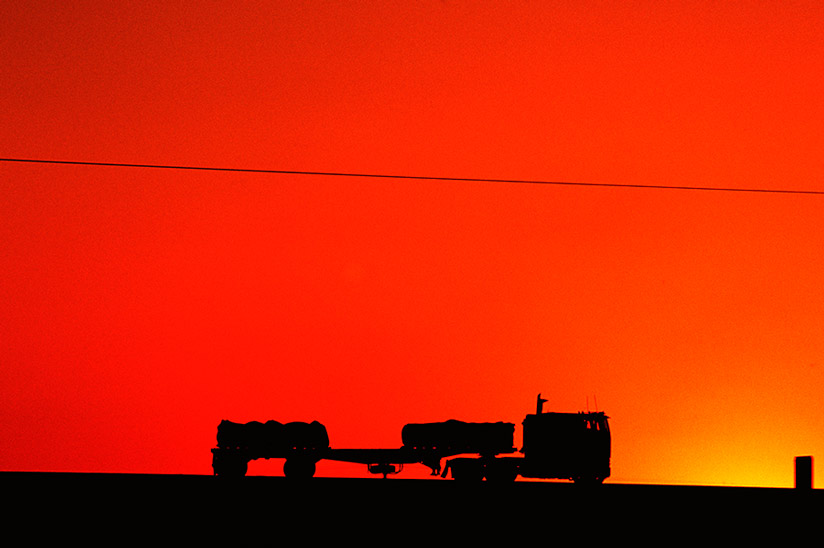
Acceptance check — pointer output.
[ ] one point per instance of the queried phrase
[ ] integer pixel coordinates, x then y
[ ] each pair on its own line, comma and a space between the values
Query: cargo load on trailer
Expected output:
272, 436
456, 436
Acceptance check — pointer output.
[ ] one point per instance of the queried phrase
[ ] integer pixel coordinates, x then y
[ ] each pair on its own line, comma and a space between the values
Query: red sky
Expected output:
140, 307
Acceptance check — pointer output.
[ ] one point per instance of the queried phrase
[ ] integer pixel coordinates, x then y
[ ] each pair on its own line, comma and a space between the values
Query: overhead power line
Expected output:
414, 177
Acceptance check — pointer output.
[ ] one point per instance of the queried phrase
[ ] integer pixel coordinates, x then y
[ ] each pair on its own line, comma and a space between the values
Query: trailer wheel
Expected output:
298, 468
226, 466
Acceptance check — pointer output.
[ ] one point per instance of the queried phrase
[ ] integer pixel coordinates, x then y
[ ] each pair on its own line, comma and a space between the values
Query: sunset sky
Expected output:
139, 307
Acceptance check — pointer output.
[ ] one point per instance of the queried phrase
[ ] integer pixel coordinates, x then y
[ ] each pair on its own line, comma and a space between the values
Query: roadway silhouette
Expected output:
171, 509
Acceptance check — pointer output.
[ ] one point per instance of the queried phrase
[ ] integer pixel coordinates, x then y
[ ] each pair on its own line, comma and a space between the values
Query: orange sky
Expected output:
141, 307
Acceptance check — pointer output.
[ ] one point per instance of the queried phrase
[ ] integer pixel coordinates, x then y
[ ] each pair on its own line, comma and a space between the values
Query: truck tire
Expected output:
299, 468
229, 466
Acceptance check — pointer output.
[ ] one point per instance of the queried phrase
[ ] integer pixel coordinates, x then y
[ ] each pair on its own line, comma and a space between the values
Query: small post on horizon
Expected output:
803, 472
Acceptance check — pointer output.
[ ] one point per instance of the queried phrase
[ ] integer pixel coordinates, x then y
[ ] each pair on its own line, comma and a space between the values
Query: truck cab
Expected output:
574, 446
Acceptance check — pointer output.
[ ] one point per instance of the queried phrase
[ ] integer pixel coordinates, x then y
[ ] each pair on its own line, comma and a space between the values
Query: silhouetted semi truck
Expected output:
571, 446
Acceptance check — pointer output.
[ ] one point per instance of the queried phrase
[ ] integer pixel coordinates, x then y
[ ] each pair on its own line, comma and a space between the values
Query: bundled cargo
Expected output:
303, 435
271, 438
460, 437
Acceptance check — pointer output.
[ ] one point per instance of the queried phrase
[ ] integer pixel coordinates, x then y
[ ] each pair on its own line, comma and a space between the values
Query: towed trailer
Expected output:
572, 446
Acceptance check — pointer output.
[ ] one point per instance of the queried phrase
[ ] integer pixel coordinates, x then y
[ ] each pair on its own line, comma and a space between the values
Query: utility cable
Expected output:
416, 177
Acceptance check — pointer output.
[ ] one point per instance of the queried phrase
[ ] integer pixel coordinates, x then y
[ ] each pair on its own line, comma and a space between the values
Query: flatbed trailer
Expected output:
387, 461
573, 446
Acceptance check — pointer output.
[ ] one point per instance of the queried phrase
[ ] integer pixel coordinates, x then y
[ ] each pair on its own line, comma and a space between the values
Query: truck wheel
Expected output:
229, 467
298, 468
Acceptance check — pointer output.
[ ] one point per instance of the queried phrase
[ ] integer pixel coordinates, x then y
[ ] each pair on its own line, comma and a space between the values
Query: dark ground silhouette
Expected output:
166, 509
